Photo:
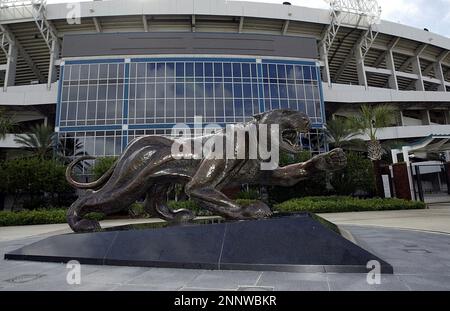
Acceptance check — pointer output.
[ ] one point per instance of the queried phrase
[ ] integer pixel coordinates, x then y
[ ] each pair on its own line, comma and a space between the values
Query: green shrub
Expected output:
41, 181
345, 204
137, 210
95, 216
40, 217
357, 176
251, 194
35, 217
102, 165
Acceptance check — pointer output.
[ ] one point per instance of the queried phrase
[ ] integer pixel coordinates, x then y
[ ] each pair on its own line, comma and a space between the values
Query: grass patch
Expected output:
346, 204
40, 217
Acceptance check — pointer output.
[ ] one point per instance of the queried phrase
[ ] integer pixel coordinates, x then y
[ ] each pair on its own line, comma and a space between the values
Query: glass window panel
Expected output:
102, 92
209, 90
246, 70
208, 70
73, 95
82, 93
103, 71
281, 71
170, 69
227, 69
199, 69
179, 108
253, 70
150, 110
75, 72
190, 107
247, 90
189, 69
273, 71
189, 90
237, 90
112, 92
298, 73
199, 90
237, 70
218, 89
217, 69
307, 72
283, 91
180, 70
84, 72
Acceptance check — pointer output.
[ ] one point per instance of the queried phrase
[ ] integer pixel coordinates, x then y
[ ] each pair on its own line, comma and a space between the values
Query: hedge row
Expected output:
311, 204
39, 217
346, 204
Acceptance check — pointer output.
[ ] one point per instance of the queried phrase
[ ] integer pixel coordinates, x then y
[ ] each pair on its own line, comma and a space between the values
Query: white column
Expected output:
362, 78
326, 67
415, 63
52, 69
11, 65
439, 73
391, 66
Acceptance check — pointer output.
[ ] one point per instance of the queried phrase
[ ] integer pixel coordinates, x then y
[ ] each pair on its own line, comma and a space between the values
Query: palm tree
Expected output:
369, 120
341, 133
6, 124
41, 141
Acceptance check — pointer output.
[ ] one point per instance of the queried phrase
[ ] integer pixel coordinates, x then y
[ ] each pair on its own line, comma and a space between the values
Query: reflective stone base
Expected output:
291, 243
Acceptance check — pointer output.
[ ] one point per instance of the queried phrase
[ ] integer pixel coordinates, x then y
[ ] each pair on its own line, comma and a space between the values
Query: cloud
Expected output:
431, 14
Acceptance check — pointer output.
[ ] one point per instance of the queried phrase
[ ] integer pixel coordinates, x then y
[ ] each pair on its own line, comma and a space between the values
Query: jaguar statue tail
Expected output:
93, 185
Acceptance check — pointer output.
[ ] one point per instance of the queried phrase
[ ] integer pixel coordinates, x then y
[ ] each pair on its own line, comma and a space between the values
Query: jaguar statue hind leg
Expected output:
155, 205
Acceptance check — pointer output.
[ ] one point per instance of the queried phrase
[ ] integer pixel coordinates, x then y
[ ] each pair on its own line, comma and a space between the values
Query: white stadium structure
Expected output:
359, 60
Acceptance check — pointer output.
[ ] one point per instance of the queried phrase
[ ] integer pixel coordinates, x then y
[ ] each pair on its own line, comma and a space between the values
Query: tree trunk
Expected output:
374, 150
378, 179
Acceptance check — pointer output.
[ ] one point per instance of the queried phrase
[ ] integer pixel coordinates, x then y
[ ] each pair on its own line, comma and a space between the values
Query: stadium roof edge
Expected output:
93, 9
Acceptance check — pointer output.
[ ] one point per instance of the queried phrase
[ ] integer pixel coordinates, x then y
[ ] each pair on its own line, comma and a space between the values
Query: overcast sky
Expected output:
431, 14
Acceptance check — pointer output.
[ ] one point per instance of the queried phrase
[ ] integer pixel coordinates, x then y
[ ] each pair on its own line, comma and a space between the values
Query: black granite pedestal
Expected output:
295, 243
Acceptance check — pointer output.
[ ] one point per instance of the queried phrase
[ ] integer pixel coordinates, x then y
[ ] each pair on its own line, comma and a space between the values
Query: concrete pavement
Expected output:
421, 261
434, 219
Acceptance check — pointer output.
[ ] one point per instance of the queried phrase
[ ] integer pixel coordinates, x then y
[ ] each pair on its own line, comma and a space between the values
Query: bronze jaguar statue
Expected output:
148, 168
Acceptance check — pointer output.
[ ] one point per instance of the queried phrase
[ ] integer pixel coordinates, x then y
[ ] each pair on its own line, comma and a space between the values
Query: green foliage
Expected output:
102, 165
314, 186
341, 133
36, 217
42, 180
95, 216
41, 141
6, 124
345, 204
371, 118
251, 194
137, 210
357, 176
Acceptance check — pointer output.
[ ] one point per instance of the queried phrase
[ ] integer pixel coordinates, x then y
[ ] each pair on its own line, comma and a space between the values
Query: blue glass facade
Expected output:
104, 104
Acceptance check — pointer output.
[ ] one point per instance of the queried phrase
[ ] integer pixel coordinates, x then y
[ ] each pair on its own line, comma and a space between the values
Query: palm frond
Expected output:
40, 141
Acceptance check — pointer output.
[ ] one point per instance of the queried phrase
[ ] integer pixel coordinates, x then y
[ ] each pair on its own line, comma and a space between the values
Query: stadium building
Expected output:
104, 72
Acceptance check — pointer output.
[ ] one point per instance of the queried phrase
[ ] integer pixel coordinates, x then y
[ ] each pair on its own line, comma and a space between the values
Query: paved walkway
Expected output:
434, 219
421, 261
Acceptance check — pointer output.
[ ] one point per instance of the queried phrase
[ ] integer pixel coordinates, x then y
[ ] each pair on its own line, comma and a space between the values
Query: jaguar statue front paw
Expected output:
331, 161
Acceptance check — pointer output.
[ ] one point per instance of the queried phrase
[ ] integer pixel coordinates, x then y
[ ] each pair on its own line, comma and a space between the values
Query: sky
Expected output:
431, 14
